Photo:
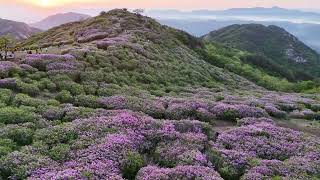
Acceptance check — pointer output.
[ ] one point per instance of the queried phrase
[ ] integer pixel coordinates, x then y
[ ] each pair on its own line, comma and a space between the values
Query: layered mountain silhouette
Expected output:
58, 19
17, 30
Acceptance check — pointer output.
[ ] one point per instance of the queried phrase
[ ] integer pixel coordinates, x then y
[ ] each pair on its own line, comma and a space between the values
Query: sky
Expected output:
34, 10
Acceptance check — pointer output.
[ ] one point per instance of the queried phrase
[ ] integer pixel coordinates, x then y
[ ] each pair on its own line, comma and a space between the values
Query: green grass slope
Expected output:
127, 49
284, 53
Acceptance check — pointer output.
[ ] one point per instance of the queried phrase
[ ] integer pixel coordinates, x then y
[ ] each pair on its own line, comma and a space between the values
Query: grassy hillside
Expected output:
256, 68
131, 99
295, 60
128, 49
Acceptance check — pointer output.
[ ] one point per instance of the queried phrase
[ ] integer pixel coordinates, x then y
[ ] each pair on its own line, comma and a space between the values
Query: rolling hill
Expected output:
120, 96
282, 48
306, 32
18, 30
58, 19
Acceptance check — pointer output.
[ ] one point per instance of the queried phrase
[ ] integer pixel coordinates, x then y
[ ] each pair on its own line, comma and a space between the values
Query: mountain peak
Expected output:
58, 19
18, 30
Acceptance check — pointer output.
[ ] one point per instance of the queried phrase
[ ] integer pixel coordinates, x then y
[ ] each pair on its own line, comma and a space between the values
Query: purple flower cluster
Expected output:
263, 140
179, 172
298, 167
65, 57
267, 169
105, 43
40, 61
184, 149
180, 153
274, 111
100, 160
222, 110
27, 68
114, 102
9, 83
229, 163
6, 67
182, 109
67, 66
116, 133
95, 33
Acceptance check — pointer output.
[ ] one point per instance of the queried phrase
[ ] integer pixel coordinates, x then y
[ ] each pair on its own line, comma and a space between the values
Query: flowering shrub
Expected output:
52, 113
19, 164
263, 140
40, 61
27, 68
288, 106
9, 83
179, 172
231, 112
87, 37
231, 164
189, 109
267, 169
66, 66
71, 113
114, 102
7, 68
275, 112
304, 167
110, 151
178, 153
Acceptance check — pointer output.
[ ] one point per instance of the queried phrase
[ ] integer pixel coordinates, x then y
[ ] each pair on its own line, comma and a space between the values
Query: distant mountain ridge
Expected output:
18, 30
256, 11
58, 19
260, 11
273, 42
306, 32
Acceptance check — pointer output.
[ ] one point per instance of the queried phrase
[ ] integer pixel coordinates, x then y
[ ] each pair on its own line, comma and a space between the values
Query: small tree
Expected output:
138, 11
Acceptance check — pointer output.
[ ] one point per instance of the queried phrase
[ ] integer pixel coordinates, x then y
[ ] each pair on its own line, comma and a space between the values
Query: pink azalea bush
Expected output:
231, 112
274, 111
40, 61
179, 172
263, 140
118, 133
231, 164
7, 67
